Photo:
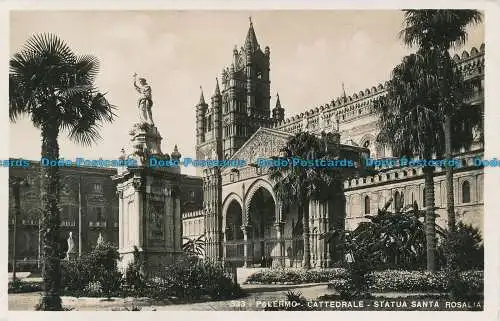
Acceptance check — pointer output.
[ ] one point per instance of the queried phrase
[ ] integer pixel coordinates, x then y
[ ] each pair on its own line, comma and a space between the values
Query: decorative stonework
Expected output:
137, 183
156, 221
263, 144
146, 141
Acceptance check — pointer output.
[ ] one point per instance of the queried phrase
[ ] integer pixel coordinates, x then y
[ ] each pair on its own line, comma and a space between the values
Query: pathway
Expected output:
258, 296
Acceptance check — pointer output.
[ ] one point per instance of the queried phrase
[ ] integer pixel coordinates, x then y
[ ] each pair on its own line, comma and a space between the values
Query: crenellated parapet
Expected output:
193, 214
360, 104
471, 64
395, 174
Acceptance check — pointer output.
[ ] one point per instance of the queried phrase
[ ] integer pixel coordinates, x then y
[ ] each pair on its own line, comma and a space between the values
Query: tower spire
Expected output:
202, 98
343, 92
278, 103
251, 40
217, 90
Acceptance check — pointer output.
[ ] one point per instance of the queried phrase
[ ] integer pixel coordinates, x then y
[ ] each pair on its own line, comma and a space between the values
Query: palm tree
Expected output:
297, 185
412, 115
194, 246
435, 32
408, 120
55, 88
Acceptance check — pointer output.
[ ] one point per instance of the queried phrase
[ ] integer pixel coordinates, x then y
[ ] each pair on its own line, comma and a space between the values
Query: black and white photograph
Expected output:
248, 160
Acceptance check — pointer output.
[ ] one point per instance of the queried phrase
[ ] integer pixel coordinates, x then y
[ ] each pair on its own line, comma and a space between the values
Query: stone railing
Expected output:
67, 223
193, 214
97, 224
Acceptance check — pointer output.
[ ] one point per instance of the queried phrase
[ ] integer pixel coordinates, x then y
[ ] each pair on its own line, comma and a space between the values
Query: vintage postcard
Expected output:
191, 158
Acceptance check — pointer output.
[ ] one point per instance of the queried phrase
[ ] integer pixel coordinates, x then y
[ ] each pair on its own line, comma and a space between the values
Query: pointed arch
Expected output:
466, 192
255, 186
367, 204
225, 206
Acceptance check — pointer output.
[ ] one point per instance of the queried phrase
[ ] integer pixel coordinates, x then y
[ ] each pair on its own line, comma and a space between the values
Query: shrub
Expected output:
418, 281
94, 288
134, 282
296, 276
469, 250
100, 266
18, 286
193, 279
297, 302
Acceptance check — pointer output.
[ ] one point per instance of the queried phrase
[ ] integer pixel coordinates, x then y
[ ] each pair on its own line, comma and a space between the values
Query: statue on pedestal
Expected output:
100, 239
71, 246
145, 102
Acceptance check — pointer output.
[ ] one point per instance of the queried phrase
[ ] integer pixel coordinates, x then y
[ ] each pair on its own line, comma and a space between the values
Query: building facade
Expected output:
243, 220
87, 194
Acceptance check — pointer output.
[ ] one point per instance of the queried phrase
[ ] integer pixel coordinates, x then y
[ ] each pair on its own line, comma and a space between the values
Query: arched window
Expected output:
367, 204
398, 201
465, 192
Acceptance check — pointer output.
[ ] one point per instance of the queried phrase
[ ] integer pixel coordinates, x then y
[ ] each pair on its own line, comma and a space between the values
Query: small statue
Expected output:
145, 101
71, 246
100, 239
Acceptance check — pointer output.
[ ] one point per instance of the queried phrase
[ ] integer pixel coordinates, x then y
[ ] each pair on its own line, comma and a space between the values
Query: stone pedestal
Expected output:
149, 204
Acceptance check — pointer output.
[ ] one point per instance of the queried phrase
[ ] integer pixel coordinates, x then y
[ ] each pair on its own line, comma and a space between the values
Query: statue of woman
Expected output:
71, 245
145, 100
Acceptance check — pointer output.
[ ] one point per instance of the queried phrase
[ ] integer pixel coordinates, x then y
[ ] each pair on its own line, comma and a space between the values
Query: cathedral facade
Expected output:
243, 220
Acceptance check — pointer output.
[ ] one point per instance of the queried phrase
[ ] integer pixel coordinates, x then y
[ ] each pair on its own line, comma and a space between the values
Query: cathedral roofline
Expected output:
340, 101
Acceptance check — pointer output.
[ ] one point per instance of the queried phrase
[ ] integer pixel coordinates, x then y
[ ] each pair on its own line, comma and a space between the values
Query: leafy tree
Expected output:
469, 247
388, 240
297, 185
53, 86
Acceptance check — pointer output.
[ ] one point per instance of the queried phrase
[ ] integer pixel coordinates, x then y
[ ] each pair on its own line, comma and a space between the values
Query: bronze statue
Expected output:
145, 101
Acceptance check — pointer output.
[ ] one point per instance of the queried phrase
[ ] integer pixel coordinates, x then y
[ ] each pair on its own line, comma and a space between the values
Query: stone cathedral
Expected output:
242, 219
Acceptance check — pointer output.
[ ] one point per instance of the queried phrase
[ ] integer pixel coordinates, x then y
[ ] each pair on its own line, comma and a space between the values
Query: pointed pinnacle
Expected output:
217, 90
202, 97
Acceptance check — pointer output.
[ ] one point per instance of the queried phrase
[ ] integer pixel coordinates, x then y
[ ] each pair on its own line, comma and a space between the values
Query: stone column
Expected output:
138, 239
177, 225
224, 246
247, 249
324, 255
120, 219
280, 262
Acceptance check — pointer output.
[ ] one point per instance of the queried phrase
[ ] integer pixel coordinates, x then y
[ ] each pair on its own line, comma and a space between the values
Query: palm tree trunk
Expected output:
450, 199
51, 269
307, 246
17, 212
430, 218
451, 266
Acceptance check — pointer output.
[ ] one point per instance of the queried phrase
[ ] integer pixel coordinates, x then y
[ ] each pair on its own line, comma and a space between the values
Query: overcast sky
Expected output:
312, 53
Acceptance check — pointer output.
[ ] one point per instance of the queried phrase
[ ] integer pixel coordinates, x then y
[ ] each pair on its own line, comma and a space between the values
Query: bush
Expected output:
194, 279
296, 276
134, 282
79, 277
469, 250
418, 281
18, 286
297, 302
